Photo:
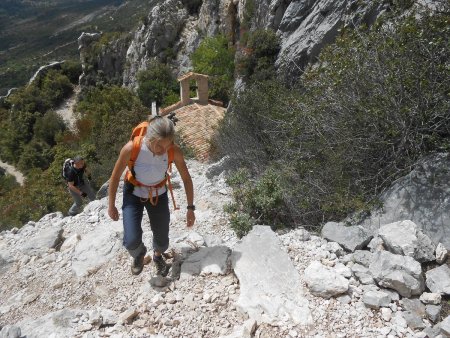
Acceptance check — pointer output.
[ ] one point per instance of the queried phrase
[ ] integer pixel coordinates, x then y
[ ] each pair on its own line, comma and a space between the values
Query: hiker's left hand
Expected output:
190, 218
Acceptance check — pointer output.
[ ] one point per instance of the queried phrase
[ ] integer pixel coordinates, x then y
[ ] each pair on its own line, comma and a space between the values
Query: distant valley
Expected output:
33, 33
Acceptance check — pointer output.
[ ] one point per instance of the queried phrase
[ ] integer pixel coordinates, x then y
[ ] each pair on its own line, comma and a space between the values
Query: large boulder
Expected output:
324, 282
438, 280
56, 324
422, 196
350, 238
263, 268
405, 238
97, 247
42, 241
401, 273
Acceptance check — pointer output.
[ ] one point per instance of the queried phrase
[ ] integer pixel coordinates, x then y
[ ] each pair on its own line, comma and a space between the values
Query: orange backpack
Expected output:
137, 136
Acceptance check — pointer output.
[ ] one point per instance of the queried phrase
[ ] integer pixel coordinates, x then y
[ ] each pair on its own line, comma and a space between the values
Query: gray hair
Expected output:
159, 128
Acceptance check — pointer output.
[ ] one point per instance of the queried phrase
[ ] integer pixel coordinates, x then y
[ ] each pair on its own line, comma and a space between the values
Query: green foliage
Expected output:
215, 58
376, 102
7, 183
72, 69
105, 147
257, 62
32, 201
255, 201
28, 121
99, 104
157, 84
43, 94
249, 13
35, 154
47, 127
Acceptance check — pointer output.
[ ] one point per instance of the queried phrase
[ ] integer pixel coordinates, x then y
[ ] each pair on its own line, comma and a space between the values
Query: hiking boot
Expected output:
162, 268
138, 264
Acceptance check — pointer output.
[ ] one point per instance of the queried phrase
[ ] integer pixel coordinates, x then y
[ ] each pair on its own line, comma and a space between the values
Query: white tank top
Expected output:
150, 169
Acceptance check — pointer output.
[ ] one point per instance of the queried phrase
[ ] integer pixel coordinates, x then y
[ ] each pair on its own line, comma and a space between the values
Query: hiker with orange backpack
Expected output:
148, 156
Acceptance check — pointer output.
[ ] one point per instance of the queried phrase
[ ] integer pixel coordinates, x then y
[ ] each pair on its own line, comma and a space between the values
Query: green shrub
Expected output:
7, 183
157, 84
215, 58
48, 127
72, 69
42, 95
255, 201
375, 102
32, 201
257, 63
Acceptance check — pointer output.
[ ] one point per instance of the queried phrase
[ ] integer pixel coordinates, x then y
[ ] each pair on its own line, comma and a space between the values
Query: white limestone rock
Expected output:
422, 196
42, 241
362, 274
263, 269
376, 299
325, 282
70, 242
97, 247
54, 324
441, 253
445, 326
212, 260
350, 238
400, 273
433, 312
431, 298
405, 238
438, 280
10, 331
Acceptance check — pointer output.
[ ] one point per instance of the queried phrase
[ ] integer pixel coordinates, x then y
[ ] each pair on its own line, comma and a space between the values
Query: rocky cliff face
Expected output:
304, 27
102, 59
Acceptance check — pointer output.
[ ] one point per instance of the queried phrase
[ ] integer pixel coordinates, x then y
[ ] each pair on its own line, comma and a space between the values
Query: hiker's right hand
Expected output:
113, 213
83, 194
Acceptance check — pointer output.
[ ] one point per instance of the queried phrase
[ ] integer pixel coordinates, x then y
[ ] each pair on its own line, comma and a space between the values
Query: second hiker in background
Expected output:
74, 171
148, 155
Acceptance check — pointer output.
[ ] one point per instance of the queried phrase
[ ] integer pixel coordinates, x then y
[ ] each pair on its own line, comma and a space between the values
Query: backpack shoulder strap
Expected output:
139, 130
137, 142
170, 154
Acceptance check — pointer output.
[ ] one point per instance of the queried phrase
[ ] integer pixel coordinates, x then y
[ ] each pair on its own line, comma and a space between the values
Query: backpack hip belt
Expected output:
151, 188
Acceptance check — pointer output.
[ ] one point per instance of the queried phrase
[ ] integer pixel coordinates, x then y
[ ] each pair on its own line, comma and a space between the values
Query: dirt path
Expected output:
20, 178
66, 109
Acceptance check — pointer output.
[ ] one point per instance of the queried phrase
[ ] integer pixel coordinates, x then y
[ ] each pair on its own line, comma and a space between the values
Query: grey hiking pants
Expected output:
78, 200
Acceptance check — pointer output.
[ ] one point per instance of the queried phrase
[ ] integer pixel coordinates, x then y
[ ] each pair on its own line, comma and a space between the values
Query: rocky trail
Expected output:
66, 108
11, 170
70, 277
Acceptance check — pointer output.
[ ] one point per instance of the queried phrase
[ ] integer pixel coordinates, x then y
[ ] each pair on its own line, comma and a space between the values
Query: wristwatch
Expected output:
191, 207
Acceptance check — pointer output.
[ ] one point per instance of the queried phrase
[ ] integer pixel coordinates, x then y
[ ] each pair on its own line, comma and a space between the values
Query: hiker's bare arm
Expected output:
114, 180
187, 182
72, 187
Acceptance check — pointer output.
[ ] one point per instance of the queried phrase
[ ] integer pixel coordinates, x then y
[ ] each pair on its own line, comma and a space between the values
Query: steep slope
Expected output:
83, 287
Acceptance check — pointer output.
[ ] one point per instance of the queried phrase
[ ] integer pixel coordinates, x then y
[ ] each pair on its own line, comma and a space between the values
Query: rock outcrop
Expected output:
263, 270
103, 60
173, 30
422, 196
